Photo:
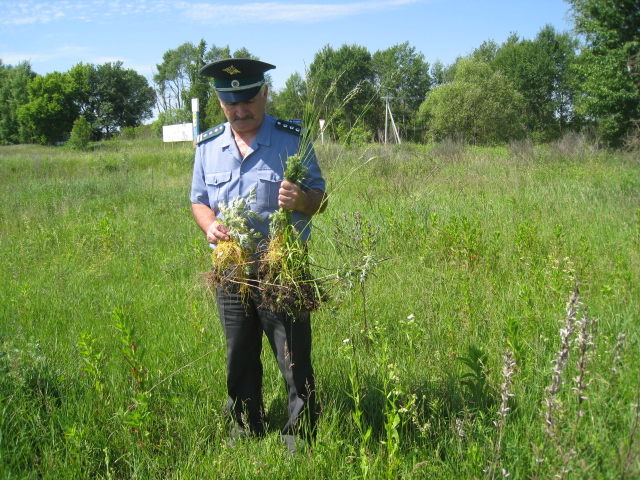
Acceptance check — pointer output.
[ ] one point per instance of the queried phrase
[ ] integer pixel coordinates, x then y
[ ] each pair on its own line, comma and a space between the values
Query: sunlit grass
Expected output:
100, 259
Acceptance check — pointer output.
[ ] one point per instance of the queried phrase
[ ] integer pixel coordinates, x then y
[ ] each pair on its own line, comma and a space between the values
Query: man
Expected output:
248, 154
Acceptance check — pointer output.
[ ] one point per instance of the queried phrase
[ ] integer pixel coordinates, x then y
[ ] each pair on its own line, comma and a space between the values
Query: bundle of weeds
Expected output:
232, 260
286, 281
285, 278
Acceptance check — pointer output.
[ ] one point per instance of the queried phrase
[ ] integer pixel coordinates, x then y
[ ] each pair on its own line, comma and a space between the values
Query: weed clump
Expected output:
232, 260
286, 281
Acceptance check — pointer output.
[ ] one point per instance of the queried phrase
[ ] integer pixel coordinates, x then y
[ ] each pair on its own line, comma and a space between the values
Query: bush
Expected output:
357, 136
80, 134
139, 132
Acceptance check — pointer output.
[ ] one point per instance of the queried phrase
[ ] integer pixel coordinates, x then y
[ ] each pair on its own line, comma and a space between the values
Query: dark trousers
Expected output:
290, 339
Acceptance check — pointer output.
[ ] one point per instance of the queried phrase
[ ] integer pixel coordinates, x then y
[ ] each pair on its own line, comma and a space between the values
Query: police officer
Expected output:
246, 154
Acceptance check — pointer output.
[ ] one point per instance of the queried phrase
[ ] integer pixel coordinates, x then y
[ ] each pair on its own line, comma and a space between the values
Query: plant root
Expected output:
286, 283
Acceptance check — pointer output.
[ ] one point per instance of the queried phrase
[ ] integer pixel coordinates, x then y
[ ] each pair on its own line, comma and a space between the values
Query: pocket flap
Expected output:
217, 178
268, 176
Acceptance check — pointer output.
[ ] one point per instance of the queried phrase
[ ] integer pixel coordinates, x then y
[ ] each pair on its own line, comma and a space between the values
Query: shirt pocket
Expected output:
267, 189
218, 187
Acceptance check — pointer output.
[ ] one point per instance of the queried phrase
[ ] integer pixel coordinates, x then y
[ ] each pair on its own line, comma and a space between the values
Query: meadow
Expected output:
485, 324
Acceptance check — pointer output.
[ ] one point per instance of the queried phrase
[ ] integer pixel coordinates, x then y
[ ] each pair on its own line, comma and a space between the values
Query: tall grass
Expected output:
112, 358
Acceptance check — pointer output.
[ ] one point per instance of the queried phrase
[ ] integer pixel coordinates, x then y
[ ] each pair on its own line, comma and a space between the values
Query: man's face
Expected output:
246, 117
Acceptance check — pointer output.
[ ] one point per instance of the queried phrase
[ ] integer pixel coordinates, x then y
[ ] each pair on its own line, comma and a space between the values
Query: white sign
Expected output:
177, 133
322, 124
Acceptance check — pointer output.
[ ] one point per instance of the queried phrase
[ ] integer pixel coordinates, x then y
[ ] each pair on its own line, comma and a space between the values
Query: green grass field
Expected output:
112, 358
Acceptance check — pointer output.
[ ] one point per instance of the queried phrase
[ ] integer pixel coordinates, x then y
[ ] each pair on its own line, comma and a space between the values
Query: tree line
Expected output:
540, 89
44, 108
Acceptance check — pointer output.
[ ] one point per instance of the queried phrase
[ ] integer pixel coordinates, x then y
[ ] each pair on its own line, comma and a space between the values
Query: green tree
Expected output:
121, 98
51, 111
84, 83
480, 106
487, 51
609, 64
343, 81
441, 74
172, 78
178, 80
199, 86
110, 97
14, 93
402, 77
291, 100
542, 71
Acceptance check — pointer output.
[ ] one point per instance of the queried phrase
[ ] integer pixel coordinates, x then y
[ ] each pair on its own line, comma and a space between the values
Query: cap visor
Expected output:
239, 96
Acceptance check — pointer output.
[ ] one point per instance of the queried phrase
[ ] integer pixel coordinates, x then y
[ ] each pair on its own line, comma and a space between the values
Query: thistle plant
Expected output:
231, 259
508, 370
560, 362
584, 342
552, 401
286, 282
617, 358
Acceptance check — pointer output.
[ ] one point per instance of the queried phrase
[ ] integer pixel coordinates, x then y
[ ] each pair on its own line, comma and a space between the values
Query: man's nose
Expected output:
241, 110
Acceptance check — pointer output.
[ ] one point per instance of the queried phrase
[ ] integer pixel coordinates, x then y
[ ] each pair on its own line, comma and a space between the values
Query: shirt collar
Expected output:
263, 137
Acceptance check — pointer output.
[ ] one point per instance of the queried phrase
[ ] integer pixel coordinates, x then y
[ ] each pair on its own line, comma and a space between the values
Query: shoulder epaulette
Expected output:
289, 127
212, 132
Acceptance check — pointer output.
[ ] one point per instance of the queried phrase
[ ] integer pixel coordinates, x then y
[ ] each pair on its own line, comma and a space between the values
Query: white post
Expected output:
395, 129
386, 118
195, 119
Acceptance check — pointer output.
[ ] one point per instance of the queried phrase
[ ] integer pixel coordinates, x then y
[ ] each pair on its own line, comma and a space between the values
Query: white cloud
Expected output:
210, 13
13, 58
33, 12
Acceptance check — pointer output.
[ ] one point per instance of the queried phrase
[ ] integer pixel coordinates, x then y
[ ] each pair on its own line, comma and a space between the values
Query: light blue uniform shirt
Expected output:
220, 174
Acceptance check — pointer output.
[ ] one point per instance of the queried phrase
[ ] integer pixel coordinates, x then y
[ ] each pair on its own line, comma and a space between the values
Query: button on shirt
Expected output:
220, 174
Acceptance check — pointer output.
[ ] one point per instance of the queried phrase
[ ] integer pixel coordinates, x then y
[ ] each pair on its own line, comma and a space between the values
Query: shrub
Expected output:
357, 136
80, 134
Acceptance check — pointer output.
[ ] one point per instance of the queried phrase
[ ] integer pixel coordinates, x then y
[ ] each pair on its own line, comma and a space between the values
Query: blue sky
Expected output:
55, 36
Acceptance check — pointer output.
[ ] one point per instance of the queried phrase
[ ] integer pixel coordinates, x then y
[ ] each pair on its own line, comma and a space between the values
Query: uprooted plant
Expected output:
232, 259
285, 278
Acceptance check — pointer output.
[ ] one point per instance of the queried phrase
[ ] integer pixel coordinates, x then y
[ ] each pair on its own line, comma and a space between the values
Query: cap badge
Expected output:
235, 83
231, 70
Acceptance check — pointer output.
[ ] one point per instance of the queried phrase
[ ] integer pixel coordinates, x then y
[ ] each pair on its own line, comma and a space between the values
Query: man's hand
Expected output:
207, 221
292, 197
216, 232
